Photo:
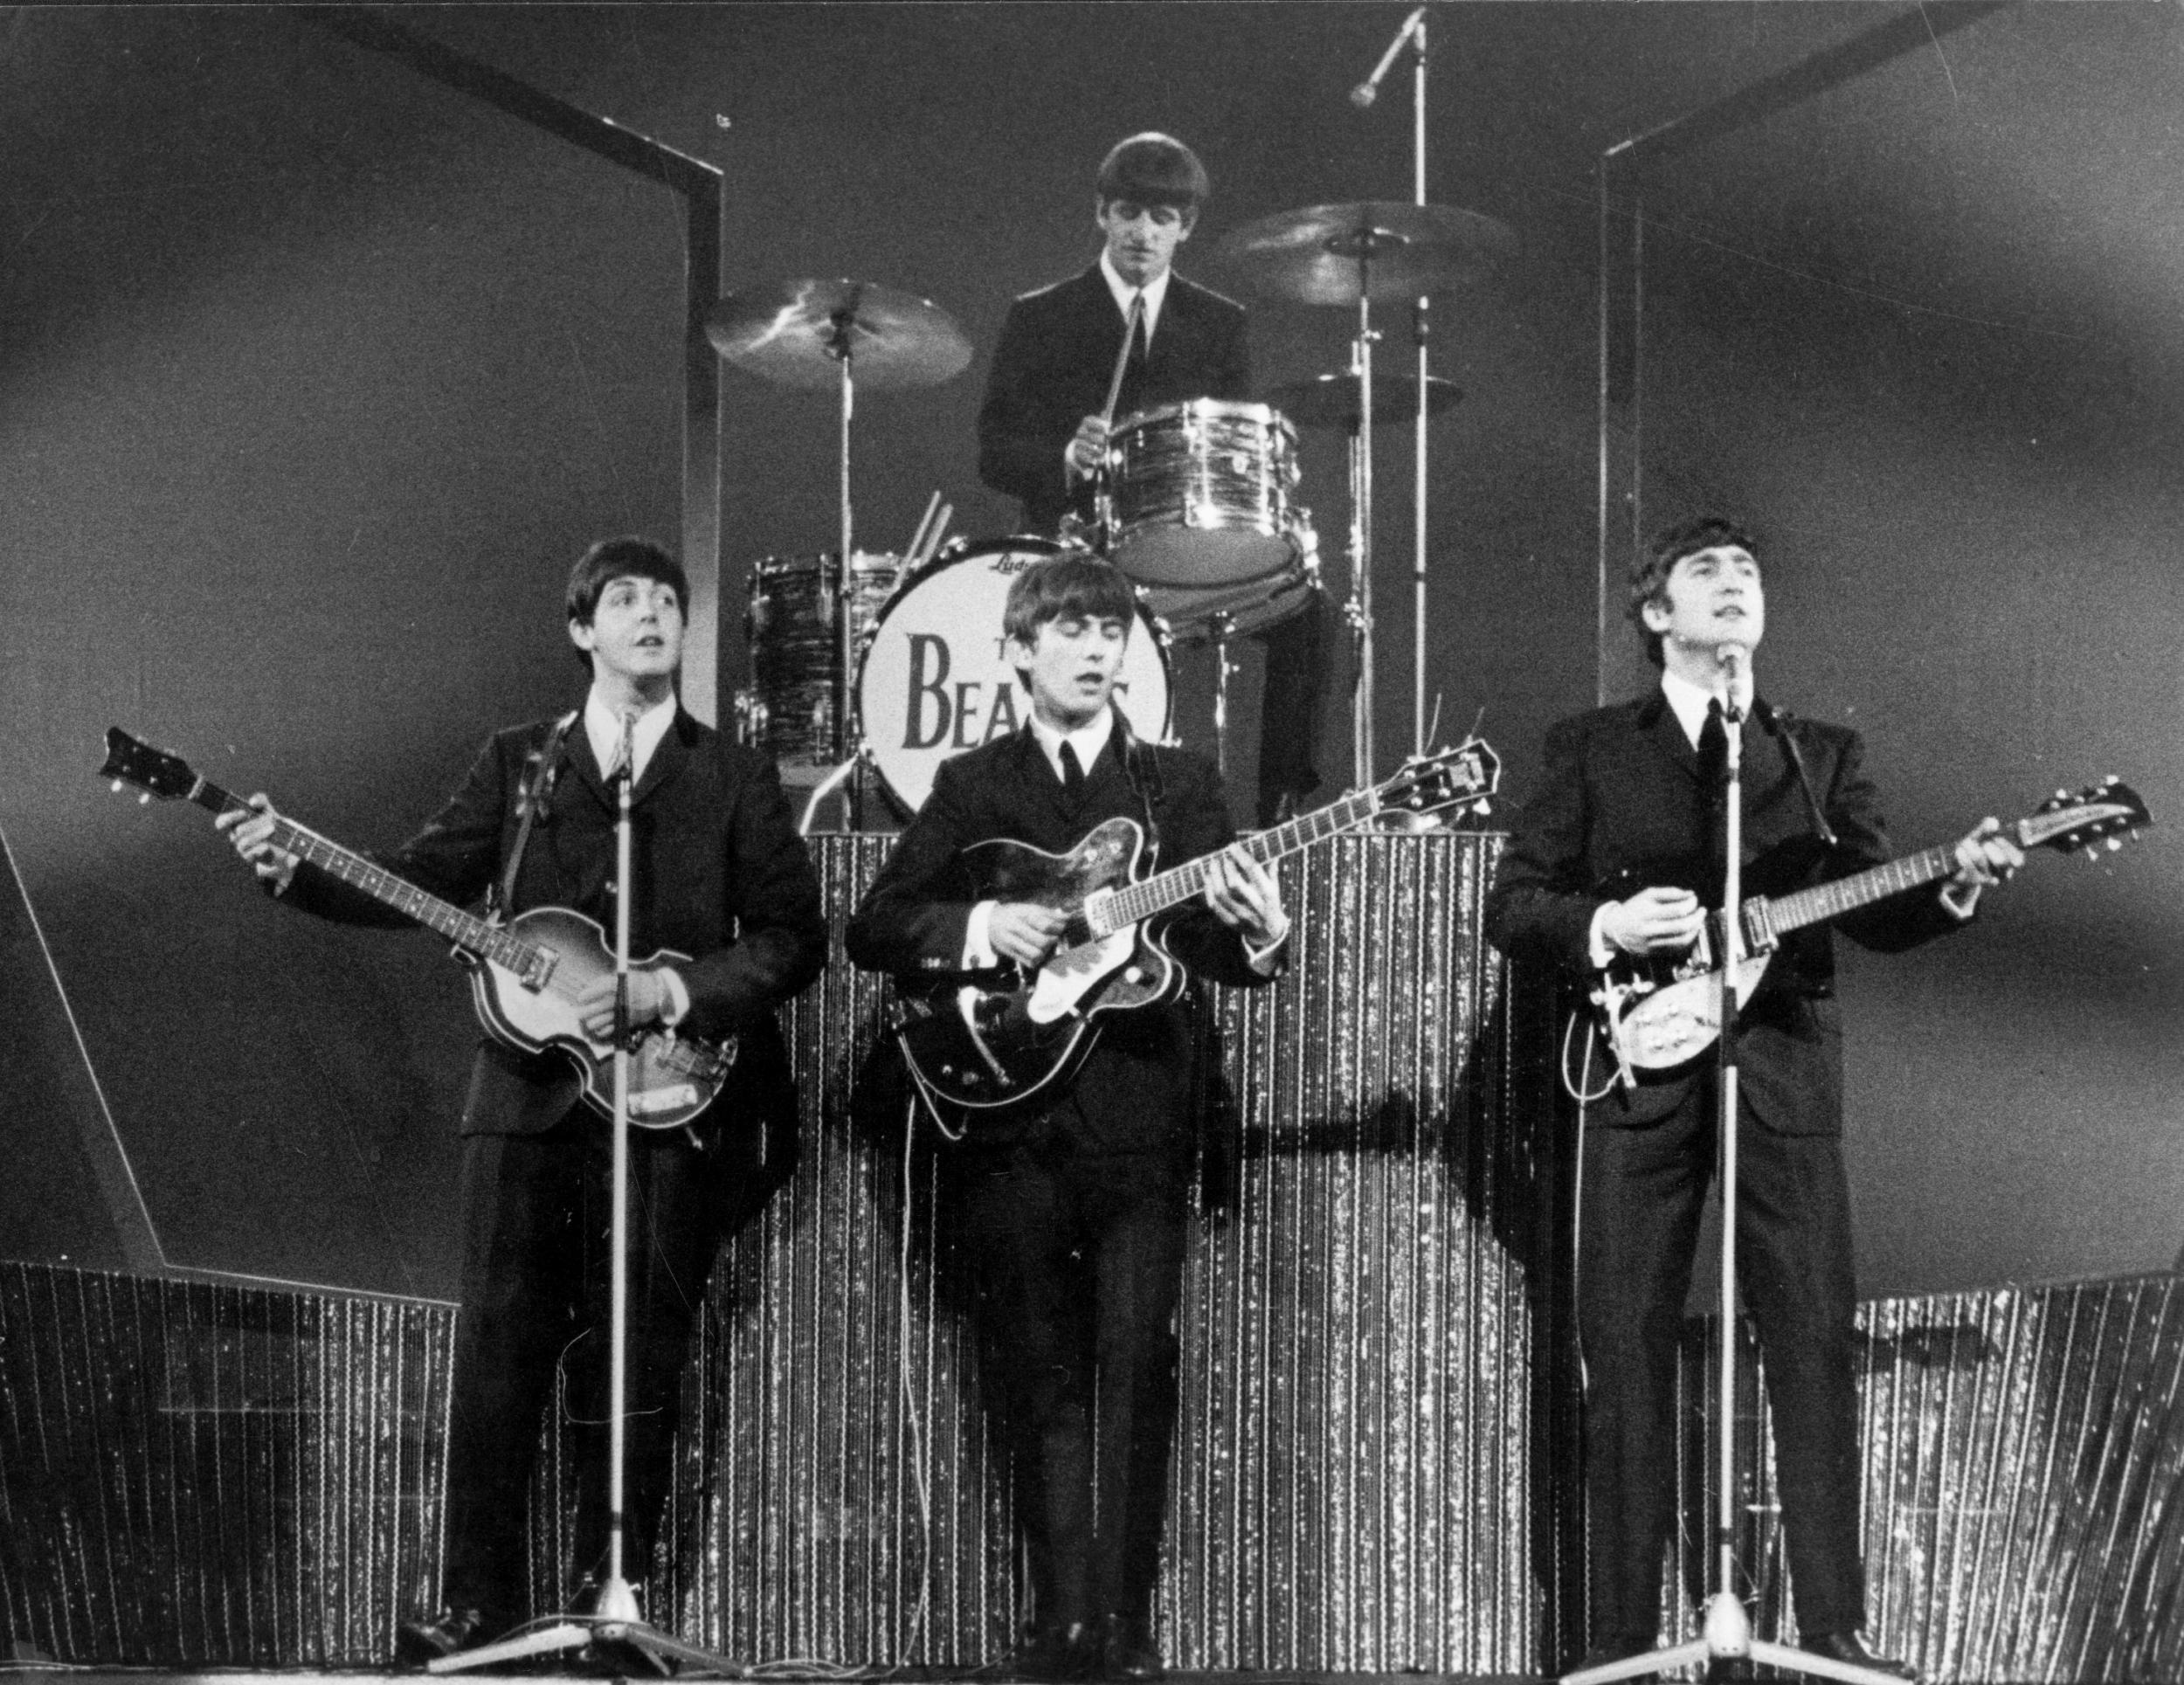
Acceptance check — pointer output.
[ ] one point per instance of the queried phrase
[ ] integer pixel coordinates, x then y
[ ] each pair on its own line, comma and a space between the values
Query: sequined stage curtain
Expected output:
1362, 1473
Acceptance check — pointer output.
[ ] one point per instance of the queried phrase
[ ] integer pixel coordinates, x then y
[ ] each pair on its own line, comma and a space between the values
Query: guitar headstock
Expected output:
152, 770
1445, 782
2107, 812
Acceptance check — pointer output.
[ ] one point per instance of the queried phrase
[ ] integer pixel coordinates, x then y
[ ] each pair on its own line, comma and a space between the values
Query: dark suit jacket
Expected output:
1051, 370
1135, 1091
1620, 791
719, 874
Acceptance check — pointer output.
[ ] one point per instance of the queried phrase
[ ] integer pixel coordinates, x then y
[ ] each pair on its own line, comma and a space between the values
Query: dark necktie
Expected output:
1071, 773
1713, 750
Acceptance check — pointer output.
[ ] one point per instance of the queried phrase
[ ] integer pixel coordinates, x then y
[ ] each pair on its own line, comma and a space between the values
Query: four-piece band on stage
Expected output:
1064, 879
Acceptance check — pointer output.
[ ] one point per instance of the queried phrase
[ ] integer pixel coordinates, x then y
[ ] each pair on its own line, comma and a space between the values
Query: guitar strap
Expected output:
540, 770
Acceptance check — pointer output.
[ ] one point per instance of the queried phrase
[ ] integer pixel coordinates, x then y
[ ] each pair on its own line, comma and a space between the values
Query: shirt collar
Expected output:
1155, 293
604, 729
1088, 740
1691, 702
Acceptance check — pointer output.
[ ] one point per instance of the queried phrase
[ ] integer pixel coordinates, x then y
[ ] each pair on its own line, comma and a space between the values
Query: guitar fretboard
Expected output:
465, 931
1136, 901
1826, 900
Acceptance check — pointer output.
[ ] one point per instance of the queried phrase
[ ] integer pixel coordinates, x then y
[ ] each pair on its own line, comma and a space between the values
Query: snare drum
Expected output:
1199, 494
796, 651
935, 680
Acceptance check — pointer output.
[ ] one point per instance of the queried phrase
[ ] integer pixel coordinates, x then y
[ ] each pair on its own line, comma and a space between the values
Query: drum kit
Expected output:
895, 661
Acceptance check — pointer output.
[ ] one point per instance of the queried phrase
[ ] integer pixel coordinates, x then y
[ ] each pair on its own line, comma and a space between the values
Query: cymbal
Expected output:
797, 332
1332, 400
1316, 255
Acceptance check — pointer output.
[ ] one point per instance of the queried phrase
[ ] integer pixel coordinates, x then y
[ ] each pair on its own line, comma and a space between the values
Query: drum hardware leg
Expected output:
1223, 667
848, 773
1361, 701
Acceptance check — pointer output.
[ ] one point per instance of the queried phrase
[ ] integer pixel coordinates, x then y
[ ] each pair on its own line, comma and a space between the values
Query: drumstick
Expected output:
924, 521
940, 528
1122, 360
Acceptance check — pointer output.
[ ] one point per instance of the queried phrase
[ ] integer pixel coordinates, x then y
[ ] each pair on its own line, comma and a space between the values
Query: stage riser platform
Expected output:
1376, 1463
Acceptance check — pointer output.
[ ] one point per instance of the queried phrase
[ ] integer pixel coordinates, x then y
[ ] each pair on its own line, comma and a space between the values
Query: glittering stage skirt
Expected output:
1376, 1458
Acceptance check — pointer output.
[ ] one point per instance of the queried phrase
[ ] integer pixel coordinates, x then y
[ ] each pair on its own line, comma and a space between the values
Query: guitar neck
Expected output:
1137, 902
1794, 911
465, 931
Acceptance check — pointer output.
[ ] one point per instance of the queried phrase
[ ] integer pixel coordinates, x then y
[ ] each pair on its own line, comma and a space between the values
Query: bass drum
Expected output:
937, 680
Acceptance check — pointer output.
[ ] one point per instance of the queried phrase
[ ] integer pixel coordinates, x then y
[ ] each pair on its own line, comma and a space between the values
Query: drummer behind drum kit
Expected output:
1196, 507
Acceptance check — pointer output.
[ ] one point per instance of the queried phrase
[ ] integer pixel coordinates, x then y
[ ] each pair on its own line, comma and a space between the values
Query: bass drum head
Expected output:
935, 681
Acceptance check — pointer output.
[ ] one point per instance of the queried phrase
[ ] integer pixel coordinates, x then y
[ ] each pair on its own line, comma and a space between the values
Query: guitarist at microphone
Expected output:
719, 875
1616, 859
1070, 1208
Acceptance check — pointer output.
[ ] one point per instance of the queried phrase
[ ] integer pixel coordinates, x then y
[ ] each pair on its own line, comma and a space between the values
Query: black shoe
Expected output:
1127, 1650
1049, 1650
1850, 1648
419, 1641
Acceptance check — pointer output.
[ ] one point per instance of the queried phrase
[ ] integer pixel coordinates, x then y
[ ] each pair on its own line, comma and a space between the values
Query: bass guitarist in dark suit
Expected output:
1626, 816
1070, 1208
721, 875
1043, 430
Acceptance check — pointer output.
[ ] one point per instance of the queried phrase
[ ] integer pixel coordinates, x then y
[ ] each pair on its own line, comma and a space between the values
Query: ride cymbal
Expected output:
1332, 253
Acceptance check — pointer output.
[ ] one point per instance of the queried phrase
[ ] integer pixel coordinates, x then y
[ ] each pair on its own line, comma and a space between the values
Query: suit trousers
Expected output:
534, 1324
1077, 1260
1642, 1191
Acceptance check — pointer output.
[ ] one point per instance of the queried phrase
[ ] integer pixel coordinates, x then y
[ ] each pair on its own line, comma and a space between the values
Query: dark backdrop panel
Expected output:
1956, 431
320, 378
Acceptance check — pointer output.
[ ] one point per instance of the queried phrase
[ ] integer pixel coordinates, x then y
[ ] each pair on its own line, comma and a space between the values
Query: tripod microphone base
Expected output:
620, 1640
1727, 1637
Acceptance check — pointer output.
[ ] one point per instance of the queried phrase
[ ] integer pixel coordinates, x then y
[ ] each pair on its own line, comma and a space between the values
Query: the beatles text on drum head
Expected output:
940, 711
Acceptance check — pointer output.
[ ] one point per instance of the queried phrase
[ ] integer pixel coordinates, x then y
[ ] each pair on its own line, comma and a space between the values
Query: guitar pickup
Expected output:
538, 969
1098, 914
672, 1097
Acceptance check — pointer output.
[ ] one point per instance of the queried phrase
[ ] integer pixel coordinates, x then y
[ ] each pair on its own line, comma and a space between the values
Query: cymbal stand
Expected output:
840, 348
1725, 1630
616, 1618
1419, 321
1359, 608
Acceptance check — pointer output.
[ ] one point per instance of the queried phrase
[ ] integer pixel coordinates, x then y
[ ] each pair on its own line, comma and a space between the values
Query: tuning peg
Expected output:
2062, 795
1484, 805
115, 786
2115, 844
144, 799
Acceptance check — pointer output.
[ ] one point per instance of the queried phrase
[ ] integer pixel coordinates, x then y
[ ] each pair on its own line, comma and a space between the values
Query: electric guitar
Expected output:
525, 975
1004, 1036
1659, 1013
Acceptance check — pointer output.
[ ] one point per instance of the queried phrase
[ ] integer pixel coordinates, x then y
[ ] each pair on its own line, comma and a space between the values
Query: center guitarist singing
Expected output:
1628, 816
1070, 1209
719, 874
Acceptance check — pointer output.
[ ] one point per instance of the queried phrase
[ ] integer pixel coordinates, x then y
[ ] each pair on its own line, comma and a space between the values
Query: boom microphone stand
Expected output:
1725, 1634
616, 1620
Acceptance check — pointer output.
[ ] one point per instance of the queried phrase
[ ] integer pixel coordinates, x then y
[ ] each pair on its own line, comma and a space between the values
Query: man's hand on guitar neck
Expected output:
1984, 855
252, 833
1656, 920
1245, 897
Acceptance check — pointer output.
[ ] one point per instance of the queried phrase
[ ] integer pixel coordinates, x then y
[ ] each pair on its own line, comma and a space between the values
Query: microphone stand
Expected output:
615, 1620
1725, 1632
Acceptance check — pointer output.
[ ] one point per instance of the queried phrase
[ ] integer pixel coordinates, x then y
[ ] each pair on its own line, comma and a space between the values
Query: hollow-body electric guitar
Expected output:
1661, 1013
525, 975
1001, 1040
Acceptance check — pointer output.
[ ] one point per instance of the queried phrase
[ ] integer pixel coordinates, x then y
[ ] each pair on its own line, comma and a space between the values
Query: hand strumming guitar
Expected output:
1026, 932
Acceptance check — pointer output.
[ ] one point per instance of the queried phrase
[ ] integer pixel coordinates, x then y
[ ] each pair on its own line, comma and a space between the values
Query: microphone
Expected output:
1369, 90
1735, 661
